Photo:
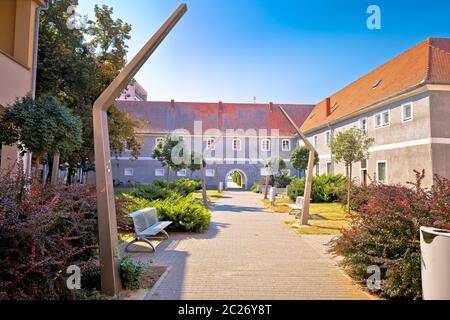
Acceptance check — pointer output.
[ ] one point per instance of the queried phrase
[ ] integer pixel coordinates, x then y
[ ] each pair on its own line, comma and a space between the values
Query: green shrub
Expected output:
282, 181
325, 188
185, 187
151, 192
130, 272
186, 213
385, 232
255, 188
159, 190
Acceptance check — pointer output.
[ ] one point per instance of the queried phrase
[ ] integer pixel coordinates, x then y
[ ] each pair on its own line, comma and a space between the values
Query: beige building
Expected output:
404, 105
18, 44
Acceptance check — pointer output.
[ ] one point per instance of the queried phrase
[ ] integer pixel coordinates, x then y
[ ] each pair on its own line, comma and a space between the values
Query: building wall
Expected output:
405, 146
440, 132
17, 38
144, 169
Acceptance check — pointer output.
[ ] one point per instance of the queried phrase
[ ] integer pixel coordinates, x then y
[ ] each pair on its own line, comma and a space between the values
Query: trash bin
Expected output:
435, 249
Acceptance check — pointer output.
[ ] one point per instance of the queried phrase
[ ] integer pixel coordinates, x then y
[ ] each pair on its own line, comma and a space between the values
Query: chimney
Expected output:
328, 106
270, 106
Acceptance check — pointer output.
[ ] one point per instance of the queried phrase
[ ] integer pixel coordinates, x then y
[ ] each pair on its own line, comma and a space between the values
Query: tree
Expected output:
169, 151
42, 126
300, 156
348, 147
194, 165
76, 72
273, 166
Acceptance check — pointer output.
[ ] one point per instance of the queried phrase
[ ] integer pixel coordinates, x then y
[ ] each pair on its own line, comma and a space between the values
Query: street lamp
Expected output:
106, 210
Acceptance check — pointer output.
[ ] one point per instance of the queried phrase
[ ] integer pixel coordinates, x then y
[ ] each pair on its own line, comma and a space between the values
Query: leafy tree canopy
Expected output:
350, 146
76, 71
43, 126
300, 157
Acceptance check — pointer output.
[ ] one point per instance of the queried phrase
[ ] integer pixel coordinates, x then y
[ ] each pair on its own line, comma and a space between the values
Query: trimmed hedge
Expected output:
325, 188
159, 189
187, 213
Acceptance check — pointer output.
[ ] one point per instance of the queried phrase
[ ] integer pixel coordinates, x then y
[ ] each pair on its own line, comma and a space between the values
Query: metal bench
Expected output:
298, 206
146, 224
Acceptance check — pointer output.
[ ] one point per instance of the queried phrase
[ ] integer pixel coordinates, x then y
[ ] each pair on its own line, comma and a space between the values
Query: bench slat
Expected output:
155, 229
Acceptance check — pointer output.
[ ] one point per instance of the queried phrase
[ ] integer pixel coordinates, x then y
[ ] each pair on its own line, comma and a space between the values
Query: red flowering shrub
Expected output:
42, 232
384, 231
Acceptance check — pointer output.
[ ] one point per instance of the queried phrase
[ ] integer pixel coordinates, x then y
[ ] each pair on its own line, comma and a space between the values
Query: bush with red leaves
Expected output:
384, 231
42, 232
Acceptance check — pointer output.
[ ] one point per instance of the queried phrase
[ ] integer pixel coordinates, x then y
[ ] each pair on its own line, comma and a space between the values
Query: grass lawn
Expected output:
213, 195
326, 218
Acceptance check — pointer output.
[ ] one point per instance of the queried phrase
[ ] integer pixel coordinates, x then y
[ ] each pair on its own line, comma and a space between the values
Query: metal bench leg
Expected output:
139, 240
164, 232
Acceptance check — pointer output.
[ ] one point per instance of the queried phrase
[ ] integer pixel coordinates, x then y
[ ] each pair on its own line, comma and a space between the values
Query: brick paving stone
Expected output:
248, 253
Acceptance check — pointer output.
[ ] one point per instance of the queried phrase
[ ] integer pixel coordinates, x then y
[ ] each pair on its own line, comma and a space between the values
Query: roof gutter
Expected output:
39, 9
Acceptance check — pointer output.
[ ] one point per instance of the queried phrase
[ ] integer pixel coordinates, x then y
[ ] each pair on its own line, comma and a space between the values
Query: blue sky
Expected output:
275, 50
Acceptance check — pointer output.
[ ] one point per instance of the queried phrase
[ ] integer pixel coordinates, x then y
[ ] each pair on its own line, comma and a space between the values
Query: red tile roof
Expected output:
168, 116
429, 61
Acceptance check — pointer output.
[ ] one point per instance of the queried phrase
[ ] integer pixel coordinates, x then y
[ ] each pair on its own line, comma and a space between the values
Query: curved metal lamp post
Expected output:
107, 224
309, 174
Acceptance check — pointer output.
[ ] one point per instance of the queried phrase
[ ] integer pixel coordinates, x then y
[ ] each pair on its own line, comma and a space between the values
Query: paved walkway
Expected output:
248, 253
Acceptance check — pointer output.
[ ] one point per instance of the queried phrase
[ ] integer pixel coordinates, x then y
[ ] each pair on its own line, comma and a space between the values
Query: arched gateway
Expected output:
229, 184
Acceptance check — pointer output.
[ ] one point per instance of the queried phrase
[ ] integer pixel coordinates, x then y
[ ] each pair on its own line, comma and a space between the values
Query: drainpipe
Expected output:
331, 153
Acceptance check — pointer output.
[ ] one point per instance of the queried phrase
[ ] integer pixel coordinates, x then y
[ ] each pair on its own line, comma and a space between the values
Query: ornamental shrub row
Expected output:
384, 231
187, 213
325, 188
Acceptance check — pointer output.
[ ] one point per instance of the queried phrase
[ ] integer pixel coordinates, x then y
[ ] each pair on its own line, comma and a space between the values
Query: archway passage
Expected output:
236, 179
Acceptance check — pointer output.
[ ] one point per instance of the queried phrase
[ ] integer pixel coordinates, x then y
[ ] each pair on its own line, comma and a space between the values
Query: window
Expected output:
286, 145
300, 143
407, 112
210, 172
328, 137
265, 145
376, 84
317, 170
159, 172
363, 124
382, 171
128, 172
210, 144
236, 144
363, 164
382, 119
182, 173
315, 142
329, 167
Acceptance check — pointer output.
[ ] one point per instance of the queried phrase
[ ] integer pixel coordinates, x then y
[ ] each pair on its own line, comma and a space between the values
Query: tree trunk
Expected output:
266, 188
70, 171
168, 177
55, 169
349, 186
37, 174
204, 196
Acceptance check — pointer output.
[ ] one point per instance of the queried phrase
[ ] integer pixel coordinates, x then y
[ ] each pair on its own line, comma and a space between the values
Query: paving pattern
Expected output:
248, 253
